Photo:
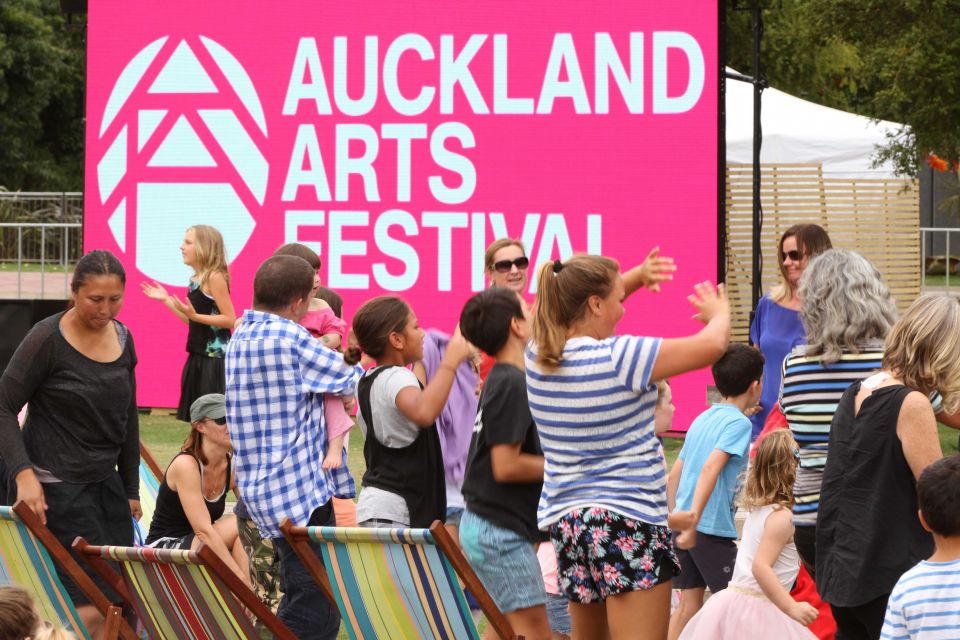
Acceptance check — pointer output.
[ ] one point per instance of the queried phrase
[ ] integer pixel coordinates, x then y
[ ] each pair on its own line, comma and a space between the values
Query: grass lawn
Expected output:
163, 435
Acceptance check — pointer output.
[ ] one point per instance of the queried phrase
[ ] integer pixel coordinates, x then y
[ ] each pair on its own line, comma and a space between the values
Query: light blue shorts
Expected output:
505, 562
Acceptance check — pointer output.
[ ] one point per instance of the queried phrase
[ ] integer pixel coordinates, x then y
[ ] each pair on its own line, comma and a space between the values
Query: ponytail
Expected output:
352, 355
563, 289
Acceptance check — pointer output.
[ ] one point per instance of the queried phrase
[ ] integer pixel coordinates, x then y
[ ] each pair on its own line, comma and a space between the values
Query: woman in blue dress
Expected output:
776, 327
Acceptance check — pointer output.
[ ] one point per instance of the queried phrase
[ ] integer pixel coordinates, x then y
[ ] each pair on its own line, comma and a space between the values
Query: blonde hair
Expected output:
563, 291
211, 255
772, 473
812, 240
50, 631
923, 348
495, 246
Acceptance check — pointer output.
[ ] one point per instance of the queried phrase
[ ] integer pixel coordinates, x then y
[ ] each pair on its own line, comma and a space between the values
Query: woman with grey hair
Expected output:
847, 311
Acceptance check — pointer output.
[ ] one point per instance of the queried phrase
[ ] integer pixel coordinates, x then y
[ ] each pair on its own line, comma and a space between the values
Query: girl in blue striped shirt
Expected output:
592, 397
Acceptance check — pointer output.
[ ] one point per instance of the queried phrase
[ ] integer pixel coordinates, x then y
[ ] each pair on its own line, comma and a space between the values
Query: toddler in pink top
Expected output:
332, 331
323, 324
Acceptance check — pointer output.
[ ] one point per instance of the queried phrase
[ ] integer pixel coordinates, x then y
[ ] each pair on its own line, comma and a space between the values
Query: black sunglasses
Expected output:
793, 255
504, 266
219, 421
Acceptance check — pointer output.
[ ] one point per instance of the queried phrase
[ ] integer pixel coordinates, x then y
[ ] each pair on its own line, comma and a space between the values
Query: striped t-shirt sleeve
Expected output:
925, 604
633, 359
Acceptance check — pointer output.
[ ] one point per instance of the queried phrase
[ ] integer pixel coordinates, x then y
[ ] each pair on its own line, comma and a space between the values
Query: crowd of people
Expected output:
532, 431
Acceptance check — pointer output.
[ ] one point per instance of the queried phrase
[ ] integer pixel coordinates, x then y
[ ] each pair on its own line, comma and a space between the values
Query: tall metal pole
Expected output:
758, 86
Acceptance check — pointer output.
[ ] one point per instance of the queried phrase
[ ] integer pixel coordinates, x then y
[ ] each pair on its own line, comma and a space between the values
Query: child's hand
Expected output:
458, 349
333, 460
349, 403
710, 303
656, 269
803, 612
685, 523
154, 291
186, 308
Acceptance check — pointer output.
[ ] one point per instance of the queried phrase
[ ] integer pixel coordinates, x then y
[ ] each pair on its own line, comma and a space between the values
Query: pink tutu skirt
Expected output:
740, 614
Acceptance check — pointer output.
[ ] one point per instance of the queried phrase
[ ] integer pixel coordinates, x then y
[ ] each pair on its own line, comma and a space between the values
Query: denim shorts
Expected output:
505, 562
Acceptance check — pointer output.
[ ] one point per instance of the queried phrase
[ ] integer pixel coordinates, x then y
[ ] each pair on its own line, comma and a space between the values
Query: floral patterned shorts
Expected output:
601, 554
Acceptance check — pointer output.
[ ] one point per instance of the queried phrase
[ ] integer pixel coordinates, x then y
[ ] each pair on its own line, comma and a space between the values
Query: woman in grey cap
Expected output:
193, 493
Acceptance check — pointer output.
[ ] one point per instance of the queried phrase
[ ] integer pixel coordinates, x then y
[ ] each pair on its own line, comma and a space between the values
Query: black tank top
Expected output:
413, 472
203, 339
868, 533
169, 520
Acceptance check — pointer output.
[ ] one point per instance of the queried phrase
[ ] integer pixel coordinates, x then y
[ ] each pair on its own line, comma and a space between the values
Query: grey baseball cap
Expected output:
212, 405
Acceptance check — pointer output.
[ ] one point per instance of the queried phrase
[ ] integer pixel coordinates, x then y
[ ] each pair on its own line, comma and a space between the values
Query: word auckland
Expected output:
448, 67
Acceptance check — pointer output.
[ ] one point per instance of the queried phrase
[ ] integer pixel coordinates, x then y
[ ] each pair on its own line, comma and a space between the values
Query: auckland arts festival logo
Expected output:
180, 136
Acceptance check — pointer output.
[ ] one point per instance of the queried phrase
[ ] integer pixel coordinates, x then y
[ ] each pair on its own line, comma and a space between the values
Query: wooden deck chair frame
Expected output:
115, 625
299, 540
151, 462
206, 557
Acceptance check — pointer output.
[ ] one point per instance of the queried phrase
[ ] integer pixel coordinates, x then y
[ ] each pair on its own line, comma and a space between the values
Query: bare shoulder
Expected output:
917, 406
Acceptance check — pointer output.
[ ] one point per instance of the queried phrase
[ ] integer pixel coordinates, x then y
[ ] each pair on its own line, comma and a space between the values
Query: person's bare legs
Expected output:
226, 528
588, 621
691, 601
640, 614
92, 620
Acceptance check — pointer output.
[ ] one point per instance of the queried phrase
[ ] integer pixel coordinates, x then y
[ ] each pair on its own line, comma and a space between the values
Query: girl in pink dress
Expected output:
757, 604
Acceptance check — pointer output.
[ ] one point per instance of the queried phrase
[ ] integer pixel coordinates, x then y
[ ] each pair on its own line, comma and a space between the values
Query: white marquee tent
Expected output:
795, 130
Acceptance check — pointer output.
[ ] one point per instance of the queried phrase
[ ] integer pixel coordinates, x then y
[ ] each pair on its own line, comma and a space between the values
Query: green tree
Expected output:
41, 97
896, 61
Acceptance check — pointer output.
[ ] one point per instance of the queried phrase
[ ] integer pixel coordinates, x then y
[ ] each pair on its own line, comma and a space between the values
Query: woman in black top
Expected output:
193, 493
883, 435
76, 461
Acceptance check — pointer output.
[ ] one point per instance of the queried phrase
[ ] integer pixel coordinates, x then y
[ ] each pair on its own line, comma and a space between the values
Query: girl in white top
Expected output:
757, 604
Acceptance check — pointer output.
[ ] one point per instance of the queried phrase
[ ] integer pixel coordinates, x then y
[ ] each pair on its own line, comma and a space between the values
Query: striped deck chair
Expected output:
396, 583
150, 476
28, 551
182, 594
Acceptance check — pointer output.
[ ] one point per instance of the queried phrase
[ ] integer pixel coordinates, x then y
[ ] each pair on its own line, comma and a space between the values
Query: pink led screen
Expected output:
398, 139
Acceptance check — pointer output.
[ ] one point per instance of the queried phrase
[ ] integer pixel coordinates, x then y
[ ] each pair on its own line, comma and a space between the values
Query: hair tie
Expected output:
557, 266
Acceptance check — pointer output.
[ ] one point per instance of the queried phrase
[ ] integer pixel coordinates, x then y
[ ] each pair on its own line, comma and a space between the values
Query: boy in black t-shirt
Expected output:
504, 474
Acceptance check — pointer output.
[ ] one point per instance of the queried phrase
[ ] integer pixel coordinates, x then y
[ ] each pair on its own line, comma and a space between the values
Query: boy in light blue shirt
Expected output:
703, 483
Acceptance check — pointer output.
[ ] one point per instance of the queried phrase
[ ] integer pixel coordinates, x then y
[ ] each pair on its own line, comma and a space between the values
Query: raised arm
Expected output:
649, 273
220, 292
156, 291
679, 355
423, 406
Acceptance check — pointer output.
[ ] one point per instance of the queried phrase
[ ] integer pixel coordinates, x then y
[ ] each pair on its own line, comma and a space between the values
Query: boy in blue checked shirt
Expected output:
925, 603
703, 482
276, 375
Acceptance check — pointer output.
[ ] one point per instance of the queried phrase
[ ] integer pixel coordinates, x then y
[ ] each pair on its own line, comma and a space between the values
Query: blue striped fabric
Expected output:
809, 397
594, 415
925, 604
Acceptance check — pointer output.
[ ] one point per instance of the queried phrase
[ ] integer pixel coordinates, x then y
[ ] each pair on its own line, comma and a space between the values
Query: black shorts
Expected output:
709, 564
98, 511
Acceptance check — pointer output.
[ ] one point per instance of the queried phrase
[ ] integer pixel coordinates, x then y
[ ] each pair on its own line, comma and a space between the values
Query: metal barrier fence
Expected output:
41, 238
939, 270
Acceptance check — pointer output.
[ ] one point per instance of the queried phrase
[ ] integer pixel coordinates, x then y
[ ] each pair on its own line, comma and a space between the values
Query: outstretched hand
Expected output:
709, 302
154, 291
656, 269
184, 307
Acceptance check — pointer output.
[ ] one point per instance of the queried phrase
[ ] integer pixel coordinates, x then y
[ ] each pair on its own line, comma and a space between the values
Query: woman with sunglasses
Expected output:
776, 327
506, 263
193, 494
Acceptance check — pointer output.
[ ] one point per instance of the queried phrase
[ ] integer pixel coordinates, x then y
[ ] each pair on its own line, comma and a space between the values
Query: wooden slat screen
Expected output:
878, 218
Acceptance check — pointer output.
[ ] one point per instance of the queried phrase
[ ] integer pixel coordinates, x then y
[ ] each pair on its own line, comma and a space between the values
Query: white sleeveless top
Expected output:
787, 565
